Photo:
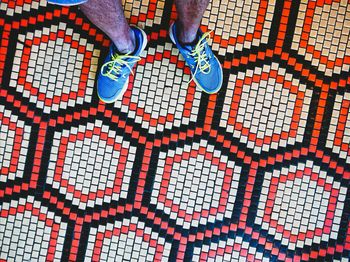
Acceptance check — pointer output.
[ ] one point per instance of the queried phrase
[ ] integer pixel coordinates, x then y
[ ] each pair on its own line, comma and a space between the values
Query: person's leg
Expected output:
190, 13
108, 15
192, 43
124, 53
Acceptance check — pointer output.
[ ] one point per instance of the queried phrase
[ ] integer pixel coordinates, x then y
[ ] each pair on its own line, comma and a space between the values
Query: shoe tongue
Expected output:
188, 47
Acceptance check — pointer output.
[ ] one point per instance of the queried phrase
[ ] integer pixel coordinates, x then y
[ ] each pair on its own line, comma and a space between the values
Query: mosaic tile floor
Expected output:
258, 172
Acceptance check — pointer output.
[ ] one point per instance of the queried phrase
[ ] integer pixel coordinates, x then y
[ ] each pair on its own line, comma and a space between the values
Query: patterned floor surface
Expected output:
258, 172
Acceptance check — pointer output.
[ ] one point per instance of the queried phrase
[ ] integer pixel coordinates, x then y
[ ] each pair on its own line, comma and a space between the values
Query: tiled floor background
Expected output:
259, 171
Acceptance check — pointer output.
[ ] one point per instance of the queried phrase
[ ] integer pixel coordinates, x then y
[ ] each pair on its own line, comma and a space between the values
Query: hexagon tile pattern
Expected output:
259, 171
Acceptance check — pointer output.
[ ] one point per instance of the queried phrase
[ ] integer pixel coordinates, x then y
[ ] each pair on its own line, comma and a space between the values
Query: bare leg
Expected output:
108, 15
190, 13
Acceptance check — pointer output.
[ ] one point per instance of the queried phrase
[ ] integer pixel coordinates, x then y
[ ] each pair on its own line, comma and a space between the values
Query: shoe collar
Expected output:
138, 45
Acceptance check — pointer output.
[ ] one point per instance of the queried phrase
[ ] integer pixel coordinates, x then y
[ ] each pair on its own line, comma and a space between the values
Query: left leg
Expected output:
192, 44
190, 13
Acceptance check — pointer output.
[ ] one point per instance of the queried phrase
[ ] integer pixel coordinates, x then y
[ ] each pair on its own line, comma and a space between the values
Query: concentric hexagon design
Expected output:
322, 35
266, 108
90, 175
301, 205
29, 231
187, 190
259, 171
107, 242
239, 24
54, 68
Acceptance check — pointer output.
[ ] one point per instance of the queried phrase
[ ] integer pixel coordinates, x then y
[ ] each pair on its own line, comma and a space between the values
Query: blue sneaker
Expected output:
113, 79
205, 67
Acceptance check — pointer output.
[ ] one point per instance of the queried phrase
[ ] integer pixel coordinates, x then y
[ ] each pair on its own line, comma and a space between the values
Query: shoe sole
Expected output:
67, 5
193, 77
125, 87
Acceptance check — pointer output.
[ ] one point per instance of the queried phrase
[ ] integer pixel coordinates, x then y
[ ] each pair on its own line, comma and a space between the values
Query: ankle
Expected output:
186, 34
125, 43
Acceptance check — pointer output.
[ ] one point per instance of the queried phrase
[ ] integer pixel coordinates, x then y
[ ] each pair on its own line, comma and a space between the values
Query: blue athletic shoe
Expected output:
113, 79
205, 67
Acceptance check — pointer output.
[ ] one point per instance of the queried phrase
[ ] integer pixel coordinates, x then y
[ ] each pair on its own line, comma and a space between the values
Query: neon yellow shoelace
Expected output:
114, 67
200, 57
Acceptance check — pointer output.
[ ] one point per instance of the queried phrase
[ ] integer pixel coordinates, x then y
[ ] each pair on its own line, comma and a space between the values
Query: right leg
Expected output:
108, 15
